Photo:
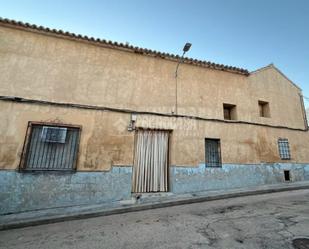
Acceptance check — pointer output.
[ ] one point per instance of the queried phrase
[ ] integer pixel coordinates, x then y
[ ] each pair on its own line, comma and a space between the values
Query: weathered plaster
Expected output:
55, 69
31, 191
49, 68
230, 176
105, 140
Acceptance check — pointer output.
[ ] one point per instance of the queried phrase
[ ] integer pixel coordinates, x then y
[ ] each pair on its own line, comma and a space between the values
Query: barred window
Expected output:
212, 153
50, 147
284, 148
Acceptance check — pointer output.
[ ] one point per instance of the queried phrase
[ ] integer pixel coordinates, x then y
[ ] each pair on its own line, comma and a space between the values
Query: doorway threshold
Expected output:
151, 196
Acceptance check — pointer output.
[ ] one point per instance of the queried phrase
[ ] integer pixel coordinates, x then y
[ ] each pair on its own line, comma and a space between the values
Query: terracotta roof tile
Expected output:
145, 51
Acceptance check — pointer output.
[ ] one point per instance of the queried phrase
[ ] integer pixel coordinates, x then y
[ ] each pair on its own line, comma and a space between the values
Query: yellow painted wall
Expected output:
49, 68
43, 67
105, 140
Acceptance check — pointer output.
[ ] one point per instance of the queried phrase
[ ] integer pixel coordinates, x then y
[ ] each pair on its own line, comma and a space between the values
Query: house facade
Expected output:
88, 121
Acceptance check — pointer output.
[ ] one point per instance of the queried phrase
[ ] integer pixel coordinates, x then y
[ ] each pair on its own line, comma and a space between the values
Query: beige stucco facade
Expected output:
40, 66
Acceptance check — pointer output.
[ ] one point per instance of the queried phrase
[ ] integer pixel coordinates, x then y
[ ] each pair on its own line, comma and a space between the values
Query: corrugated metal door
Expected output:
150, 167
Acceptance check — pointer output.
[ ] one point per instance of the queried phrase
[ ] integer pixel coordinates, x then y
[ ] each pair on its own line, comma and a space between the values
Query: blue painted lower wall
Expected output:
32, 191
187, 180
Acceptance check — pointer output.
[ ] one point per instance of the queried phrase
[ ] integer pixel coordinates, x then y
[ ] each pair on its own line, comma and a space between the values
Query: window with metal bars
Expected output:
212, 152
284, 148
50, 147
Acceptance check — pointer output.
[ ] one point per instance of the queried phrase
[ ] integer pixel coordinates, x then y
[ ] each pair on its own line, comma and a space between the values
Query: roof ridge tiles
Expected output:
144, 51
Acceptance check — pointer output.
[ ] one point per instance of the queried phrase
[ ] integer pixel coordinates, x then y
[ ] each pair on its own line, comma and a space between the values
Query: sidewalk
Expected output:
150, 201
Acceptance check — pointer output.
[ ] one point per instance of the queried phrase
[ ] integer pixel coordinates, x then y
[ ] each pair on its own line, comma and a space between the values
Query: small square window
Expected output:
284, 149
229, 112
212, 152
50, 147
264, 109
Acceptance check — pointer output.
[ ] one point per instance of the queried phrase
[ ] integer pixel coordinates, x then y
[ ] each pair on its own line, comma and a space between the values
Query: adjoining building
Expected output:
87, 121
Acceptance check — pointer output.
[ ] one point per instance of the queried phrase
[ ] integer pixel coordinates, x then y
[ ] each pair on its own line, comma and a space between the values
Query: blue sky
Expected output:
243, 33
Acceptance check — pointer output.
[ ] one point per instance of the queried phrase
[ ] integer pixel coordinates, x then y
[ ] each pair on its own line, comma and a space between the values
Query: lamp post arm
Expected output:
180, 61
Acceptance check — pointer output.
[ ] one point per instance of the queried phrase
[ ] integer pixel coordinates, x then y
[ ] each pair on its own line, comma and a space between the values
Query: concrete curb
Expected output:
139, 207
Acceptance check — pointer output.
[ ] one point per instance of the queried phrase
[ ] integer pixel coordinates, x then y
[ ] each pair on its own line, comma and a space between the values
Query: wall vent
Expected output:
287, 176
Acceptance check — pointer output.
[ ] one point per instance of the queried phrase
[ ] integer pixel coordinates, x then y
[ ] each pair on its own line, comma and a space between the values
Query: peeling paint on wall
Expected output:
31, 191
231, 176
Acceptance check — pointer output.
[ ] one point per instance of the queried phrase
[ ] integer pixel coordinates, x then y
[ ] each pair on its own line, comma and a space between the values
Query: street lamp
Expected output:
185, 49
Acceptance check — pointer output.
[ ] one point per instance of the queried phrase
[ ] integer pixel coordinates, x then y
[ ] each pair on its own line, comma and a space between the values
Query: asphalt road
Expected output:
262, 221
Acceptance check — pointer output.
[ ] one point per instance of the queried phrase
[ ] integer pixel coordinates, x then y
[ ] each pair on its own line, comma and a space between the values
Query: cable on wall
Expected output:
129, 111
